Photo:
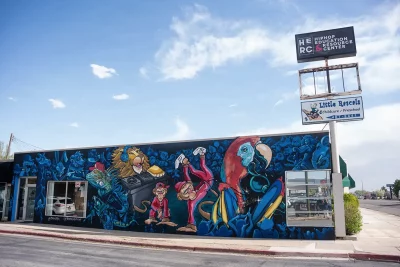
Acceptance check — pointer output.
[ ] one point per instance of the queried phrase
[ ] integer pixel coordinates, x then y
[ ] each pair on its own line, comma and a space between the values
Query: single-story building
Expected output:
273, 186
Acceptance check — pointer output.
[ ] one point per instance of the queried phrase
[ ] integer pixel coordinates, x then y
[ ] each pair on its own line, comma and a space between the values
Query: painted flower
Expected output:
98, 166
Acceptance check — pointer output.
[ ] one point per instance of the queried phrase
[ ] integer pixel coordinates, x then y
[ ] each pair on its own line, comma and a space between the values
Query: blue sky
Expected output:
91, 73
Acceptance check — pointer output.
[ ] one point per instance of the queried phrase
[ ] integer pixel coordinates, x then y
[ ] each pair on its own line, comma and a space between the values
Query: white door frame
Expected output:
25, 195
27, 186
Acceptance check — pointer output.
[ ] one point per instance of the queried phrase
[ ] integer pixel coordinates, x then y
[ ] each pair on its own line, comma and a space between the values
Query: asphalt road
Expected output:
24, 251
387, 206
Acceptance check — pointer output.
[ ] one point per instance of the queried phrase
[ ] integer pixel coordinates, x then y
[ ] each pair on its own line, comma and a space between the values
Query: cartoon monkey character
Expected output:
159, 206
187, 191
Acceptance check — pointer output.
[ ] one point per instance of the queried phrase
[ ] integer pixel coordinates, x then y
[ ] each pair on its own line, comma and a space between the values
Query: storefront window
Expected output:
309, 198
66, 199
7, 205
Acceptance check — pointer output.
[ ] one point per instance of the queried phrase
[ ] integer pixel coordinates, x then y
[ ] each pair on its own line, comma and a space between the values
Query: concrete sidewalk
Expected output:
379, 240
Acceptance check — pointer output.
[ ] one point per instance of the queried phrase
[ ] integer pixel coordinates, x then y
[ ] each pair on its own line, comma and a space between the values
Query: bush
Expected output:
350, 198
352, 214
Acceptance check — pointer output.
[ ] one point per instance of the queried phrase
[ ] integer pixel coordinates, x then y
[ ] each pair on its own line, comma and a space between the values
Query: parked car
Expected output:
289, 203
61, 207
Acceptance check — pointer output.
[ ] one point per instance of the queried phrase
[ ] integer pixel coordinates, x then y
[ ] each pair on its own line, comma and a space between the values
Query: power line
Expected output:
18, 147
17, 140
22, 146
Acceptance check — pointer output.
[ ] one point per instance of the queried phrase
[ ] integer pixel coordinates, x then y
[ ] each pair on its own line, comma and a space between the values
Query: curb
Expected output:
374, 257
355, 256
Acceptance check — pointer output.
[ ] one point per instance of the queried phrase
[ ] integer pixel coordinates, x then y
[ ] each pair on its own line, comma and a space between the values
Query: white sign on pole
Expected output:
338, 109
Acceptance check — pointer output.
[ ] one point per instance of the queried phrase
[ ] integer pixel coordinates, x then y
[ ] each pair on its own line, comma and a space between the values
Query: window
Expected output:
66, 199
309, 198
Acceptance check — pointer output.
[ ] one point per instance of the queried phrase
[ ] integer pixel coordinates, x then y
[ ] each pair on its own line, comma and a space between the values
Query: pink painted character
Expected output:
193, 194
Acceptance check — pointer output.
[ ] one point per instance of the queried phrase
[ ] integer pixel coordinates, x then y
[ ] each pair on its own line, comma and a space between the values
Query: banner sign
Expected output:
336, 43
339, 109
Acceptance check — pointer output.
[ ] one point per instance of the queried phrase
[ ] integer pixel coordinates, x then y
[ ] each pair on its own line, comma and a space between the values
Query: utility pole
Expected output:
9, 145
337, 183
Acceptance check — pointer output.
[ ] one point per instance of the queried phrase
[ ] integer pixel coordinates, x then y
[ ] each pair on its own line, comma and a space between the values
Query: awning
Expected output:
343, 167
349, 182
346, 177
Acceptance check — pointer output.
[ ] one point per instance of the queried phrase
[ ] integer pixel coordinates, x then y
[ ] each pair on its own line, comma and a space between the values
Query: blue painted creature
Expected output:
111, 203
76, 166
321, 158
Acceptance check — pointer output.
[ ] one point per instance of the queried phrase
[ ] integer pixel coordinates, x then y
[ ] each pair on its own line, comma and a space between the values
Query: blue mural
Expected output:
233, 187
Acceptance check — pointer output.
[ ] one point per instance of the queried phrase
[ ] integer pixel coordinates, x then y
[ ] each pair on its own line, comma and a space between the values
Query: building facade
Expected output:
276, 186
6, 174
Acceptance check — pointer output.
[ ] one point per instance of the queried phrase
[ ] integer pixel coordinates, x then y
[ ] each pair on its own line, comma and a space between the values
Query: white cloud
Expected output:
286, 96
279, 102
143, 72
370, 147
57, 103
102, 71
12, 98
202, 41
74, 124
182, 130
233, 105
121, 97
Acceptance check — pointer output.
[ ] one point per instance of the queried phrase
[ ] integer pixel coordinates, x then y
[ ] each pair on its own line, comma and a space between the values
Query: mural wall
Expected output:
231, 188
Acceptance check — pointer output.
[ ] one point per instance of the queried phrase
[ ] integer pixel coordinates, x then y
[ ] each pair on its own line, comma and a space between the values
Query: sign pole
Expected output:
324, 45
340, 227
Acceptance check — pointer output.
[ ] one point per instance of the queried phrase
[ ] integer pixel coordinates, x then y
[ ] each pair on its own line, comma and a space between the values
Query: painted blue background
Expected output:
290, 152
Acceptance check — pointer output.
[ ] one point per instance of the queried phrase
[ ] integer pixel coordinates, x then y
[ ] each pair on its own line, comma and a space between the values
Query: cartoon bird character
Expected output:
238, 158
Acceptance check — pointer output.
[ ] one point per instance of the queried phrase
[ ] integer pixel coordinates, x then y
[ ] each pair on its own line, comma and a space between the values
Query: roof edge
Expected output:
169, 142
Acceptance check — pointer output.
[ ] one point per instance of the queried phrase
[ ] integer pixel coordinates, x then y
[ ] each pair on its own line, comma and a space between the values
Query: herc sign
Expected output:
338, 109
329, 44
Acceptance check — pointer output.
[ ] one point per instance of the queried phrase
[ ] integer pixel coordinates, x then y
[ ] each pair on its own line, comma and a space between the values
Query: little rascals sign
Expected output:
339, 109
336, 43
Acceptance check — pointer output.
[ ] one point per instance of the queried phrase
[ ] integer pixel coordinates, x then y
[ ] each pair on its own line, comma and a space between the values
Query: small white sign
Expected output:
338, 109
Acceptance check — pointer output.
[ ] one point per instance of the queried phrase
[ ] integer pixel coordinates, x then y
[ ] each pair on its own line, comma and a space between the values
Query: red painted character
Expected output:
237, 159
186, 190
159, 205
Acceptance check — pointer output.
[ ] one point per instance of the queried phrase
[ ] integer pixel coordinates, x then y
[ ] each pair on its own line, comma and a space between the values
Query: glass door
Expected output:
29, 208
26, 198
7, 204
3, 195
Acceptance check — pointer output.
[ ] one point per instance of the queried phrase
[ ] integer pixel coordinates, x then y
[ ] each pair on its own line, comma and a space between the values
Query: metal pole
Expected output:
337, 183
327, 76
332, 128
9, 146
